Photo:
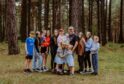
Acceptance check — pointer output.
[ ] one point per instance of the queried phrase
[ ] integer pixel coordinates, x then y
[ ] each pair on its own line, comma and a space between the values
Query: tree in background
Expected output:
39, 15
121, 37
76, 14
90, 15
56, 14
46, 14
23, 26
11, 28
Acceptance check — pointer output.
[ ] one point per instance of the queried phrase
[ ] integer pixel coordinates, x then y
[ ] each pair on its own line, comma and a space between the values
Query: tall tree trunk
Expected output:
23, 26
39, 15
46, 15
98, 19
29, 16
121, 38
56, 14
1, 28
90, 15
109, 22
83, 19
103, 22
76, 14
11, 28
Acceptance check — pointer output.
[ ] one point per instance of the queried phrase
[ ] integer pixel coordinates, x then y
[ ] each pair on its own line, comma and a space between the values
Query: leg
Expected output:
89, 60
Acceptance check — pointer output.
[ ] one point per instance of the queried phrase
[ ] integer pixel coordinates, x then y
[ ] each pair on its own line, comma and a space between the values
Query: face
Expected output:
88, 34
71, 30
80, 34
61, 32
32, 35
56, 33
96, 38
48, 33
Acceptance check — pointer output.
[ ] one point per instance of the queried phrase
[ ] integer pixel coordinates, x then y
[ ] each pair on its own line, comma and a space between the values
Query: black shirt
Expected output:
53, 44
73, 39
37, 43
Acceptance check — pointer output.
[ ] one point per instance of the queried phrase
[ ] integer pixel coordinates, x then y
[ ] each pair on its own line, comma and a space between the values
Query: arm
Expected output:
89, 44
26, 50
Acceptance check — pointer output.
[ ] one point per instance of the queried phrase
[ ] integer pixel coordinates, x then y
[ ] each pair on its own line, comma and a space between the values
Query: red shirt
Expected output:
46, 42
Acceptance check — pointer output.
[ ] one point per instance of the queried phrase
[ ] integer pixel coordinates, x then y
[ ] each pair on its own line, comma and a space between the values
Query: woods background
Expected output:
104, 18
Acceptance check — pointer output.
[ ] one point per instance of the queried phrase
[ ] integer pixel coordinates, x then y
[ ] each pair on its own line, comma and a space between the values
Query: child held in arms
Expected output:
29, 47
94, 52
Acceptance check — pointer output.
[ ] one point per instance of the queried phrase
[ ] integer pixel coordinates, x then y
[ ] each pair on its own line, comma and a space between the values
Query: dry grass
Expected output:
111, 65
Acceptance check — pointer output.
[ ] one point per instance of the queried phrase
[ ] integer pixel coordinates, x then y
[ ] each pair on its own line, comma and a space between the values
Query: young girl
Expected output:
45, 42
59, 59
69, 58
29, 47
94, 53
80, 51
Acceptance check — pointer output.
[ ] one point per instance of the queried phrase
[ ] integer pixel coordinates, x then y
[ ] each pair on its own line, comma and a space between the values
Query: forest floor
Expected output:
111, 68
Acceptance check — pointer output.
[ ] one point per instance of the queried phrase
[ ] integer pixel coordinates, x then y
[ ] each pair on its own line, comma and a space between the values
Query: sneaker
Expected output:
29, 71
94, 73
26, 70
45, 69
90, 70
71, 74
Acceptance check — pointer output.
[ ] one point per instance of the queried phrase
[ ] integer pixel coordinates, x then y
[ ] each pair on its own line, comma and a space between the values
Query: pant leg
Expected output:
53, 64
39, 64
89, 59
95, 62
80, 63
34, 60
85, 60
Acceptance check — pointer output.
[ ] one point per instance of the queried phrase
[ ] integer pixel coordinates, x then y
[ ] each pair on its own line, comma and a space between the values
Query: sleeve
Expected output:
89, 44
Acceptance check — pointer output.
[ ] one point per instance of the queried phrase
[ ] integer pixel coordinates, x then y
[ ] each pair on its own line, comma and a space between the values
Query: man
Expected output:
73, 38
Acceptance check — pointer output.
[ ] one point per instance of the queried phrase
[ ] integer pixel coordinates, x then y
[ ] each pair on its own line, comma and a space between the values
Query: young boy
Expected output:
94, 53
37, 58
29, 47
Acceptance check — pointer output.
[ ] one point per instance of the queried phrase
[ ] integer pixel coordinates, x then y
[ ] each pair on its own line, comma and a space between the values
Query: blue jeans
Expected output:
37, 60
95, 62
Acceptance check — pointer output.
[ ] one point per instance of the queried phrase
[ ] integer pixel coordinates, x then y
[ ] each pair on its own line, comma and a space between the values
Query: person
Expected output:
29, 47
45, 42
69, 59
59, 59
88, 45
37, 58
61, 38
73, 38
53, 48
94, 53
80, 51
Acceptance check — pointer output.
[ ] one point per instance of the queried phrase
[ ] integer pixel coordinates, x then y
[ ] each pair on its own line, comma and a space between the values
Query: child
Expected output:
44, 48
29, 47
59, 59
69, 58
88, 45
37, 58
94, 53
53, 48
80, 52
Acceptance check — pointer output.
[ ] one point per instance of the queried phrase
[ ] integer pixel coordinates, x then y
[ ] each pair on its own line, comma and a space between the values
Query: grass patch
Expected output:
111, 68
